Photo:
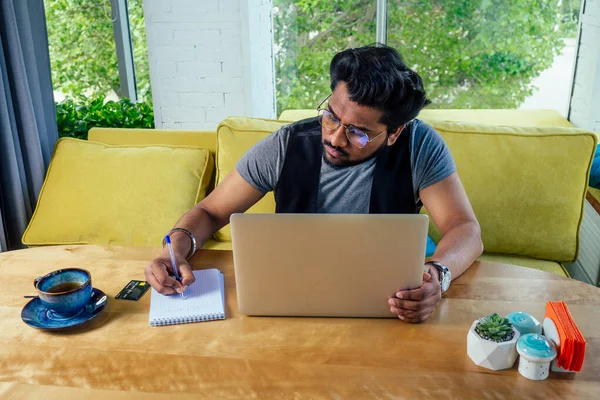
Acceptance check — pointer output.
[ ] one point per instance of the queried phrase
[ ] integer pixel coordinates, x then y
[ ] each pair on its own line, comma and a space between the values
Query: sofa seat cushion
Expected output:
527, 185
542, 265
124, 195
235, 136
213, 244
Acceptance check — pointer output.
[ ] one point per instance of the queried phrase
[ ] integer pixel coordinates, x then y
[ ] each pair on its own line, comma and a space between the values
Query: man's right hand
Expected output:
159, 274
233, 195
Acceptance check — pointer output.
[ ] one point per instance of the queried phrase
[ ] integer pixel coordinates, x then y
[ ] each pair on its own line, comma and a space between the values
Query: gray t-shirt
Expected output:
347, 190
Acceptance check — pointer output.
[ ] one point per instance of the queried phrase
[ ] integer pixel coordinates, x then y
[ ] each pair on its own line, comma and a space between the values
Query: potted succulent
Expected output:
491, 342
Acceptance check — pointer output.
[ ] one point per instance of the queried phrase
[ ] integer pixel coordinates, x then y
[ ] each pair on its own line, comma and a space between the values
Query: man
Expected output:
365, 153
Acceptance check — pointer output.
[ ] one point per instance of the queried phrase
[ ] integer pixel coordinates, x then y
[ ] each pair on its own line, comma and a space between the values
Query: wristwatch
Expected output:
445, 276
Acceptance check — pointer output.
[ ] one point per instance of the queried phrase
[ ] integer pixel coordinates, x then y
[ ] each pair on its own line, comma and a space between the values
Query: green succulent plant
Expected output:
494, 327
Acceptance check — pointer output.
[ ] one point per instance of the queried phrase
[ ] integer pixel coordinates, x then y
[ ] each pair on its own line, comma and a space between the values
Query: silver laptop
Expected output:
328, 265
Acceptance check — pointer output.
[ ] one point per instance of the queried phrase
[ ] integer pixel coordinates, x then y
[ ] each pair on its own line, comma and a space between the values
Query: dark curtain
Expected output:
28, 128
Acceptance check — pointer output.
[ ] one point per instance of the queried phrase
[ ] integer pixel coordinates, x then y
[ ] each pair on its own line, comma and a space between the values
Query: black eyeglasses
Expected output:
331, 122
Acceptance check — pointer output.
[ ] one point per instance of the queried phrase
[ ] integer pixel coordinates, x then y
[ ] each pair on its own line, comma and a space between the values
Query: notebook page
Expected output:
204, 301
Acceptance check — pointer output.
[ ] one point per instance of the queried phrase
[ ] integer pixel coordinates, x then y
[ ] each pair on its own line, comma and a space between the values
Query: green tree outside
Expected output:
82, 48
470, 53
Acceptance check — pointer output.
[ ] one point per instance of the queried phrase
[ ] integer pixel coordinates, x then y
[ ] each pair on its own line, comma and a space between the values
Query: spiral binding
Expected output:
187, 320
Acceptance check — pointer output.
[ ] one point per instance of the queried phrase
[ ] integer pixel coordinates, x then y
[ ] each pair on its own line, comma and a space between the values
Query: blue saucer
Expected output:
35, 314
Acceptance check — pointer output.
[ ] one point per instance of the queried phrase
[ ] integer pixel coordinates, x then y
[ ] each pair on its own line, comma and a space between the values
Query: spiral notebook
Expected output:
205, 301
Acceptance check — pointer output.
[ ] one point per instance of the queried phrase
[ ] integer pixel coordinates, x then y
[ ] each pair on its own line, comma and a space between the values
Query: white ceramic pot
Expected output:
489, 354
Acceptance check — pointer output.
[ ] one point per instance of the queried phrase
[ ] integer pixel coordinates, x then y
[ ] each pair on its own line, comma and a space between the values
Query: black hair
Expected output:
376, 76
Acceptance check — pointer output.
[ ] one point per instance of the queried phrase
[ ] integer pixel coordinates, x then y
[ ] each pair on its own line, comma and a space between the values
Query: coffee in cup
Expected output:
65, 291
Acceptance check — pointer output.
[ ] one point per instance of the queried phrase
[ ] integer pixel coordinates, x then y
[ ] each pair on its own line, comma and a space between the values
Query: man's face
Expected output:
338, 150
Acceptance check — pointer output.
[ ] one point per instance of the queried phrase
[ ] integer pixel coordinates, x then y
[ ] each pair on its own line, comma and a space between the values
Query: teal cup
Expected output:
66, 292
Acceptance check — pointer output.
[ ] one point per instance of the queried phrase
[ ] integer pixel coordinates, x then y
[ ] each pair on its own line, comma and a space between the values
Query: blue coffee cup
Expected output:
66, 291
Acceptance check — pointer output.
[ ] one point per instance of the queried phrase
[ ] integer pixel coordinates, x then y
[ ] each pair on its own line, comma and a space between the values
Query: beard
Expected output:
345, 163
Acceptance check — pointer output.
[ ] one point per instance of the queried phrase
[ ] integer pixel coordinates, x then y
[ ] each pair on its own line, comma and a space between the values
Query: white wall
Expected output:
257, 48
200, 54
585, 99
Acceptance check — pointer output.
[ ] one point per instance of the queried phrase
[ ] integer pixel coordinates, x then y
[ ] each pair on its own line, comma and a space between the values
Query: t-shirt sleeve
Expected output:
261, 165
430, 157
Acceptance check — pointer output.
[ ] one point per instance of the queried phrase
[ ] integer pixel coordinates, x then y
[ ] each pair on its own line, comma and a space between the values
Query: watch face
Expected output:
445, 281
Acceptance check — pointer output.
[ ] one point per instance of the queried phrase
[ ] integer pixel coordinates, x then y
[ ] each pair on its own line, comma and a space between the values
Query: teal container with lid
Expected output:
536, 347
536, 352
524, 323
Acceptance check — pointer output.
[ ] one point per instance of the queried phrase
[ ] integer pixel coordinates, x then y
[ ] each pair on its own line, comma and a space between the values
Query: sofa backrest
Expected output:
235, 136
175, 137
492, 117
527, 184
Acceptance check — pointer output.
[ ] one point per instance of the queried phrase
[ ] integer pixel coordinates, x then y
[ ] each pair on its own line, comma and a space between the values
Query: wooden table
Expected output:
118, 355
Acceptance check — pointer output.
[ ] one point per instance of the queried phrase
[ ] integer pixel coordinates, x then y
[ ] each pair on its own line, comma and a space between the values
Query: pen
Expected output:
173, 262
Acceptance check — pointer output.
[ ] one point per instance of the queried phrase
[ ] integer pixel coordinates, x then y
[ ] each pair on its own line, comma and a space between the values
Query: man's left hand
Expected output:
416, 305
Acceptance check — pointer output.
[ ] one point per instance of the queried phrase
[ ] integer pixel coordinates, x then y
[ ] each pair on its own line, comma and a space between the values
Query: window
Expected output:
470, 53
140, 49
307, 34
83, 51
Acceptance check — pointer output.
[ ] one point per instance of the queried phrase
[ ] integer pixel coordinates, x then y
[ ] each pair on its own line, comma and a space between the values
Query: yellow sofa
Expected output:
530, 211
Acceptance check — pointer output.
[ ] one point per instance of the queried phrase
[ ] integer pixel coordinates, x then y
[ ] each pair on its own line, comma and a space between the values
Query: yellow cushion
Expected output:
297, 115
212, 244
493, 117
542, 265
235, 136
499, 117
526, 184
124, 195
175, 137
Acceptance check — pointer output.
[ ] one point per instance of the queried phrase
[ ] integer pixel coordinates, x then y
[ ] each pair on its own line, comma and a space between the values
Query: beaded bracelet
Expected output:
192, 240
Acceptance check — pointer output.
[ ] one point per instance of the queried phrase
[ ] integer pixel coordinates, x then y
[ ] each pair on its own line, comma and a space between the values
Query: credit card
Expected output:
134, 290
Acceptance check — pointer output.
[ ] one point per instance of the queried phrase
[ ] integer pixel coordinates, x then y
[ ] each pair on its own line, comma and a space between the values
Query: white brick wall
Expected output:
259, 69
208, 60
585, 100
